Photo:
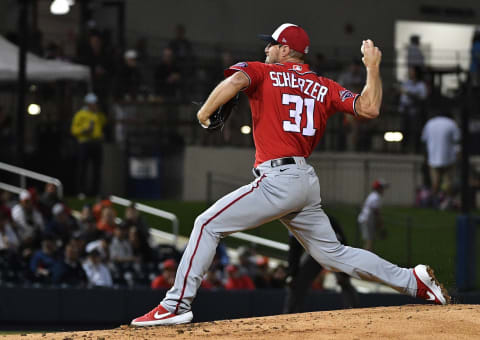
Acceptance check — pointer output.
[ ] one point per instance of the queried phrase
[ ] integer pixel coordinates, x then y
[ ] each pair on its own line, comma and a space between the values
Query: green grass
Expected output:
432, 240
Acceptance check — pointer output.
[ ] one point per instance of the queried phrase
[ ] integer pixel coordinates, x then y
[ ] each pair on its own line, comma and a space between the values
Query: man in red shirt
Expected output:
167, 278
290, 106
236, 280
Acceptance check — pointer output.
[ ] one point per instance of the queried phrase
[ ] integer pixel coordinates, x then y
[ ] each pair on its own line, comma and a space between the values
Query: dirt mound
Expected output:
403, 322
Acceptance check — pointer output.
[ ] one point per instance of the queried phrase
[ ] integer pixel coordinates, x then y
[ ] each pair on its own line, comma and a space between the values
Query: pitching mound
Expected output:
405, 322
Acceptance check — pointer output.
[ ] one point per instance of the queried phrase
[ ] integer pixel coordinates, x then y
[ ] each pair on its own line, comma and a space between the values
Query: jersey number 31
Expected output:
296, 113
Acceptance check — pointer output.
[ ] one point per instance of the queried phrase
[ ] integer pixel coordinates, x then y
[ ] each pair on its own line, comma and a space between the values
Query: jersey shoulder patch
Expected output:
241, 64
345, 94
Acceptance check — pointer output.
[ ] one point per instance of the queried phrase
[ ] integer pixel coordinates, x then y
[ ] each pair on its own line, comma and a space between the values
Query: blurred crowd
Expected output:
125, 80
44, 243
181, 71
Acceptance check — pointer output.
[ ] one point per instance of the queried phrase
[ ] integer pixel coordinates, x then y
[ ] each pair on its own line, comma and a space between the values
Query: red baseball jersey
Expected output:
290, 106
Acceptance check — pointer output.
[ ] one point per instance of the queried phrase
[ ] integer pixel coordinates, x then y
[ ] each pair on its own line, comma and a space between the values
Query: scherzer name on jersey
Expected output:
308, 87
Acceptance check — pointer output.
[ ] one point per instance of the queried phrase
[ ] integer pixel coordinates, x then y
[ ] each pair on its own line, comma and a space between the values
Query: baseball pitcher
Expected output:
290, 106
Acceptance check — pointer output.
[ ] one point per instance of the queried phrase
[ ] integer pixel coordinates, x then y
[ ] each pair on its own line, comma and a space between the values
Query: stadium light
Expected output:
393, 136
245, 129
60, 7
34, 109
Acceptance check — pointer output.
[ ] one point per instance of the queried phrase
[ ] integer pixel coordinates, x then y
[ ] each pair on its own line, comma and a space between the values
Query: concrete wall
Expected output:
343, 177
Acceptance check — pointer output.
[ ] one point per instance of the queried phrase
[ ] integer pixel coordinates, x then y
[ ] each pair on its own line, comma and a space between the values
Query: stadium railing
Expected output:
156, 212
24, 174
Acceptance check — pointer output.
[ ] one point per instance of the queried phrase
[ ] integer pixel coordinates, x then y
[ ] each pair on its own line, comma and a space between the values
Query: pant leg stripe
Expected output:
256, 185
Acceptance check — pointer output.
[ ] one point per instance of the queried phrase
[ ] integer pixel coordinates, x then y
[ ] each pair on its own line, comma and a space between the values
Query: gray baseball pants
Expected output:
290, 193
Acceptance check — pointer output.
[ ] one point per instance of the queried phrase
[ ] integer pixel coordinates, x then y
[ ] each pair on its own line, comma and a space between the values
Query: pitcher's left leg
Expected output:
312, 228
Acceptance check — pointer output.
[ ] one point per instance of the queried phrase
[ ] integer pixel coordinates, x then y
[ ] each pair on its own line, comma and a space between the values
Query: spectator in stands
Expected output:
321, 65
216, 273
413, 93
107, 221
415, 57
236, 280
370, 220
98, 274
120, 249
441, 136
141, 249
104, 201
27, 218
247, 262
356, 133
6, 201
212, 280
181, 46
99, 58
63, 224
68, 270
129, 80
9, 240
223, 60
474, 61
167, 77
279, 277
101, 245
167, 278
262, 277
89, 230
48, 199
87, 127
86, 215
43, 260
133, 217
79, 241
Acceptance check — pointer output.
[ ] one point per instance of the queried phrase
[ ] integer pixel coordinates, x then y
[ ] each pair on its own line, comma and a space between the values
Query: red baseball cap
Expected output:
291, 35
379, 183
169, 264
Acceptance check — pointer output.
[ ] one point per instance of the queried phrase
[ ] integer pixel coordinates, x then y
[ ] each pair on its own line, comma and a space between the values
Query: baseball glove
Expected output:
219, 117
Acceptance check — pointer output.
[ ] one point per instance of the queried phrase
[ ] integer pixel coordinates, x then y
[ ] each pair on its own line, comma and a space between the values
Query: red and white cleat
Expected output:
160, 316
428, 288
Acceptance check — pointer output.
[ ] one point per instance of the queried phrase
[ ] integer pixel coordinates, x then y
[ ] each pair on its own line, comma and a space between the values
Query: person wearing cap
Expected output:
97, 272
129, 78
166, 279
62, 224
87, 127
290, 106
237, 280
370, 220
27, 218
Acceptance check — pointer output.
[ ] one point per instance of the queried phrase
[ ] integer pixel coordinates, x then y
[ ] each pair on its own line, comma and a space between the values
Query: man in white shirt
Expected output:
120, 248
97, 272
369, 219
8, 238
441, 136
27, 218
